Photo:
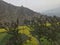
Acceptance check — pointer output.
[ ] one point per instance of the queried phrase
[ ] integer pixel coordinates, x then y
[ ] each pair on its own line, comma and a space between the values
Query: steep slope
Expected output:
10, 13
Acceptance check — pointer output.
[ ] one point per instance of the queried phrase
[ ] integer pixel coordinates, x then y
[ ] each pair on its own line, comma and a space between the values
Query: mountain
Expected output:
53, 12
9, 12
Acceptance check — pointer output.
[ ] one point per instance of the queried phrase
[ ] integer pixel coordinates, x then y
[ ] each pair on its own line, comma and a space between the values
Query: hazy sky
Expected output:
37, 5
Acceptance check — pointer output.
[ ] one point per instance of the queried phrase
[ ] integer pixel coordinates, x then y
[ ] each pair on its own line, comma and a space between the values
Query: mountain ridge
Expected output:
52, 12
10, 13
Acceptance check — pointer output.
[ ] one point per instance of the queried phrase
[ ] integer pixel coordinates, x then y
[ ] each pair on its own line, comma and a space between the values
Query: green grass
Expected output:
2, 36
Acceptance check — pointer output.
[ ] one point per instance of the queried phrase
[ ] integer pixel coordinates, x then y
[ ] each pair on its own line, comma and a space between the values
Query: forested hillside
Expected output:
10, 13
22, 26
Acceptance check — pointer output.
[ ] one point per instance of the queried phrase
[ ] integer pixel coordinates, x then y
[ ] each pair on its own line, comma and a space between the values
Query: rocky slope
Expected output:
10, 13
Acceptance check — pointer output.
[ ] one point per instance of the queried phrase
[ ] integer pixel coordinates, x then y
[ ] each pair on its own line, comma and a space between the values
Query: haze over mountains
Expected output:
52, 12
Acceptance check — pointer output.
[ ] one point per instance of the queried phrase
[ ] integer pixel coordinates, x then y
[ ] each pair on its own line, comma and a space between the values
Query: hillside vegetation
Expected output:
22, 26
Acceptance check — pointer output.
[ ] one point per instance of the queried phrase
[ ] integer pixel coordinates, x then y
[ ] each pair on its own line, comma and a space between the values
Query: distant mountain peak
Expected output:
52, 12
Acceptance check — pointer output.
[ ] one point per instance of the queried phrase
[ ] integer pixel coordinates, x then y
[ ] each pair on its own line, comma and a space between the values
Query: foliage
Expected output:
33, 32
